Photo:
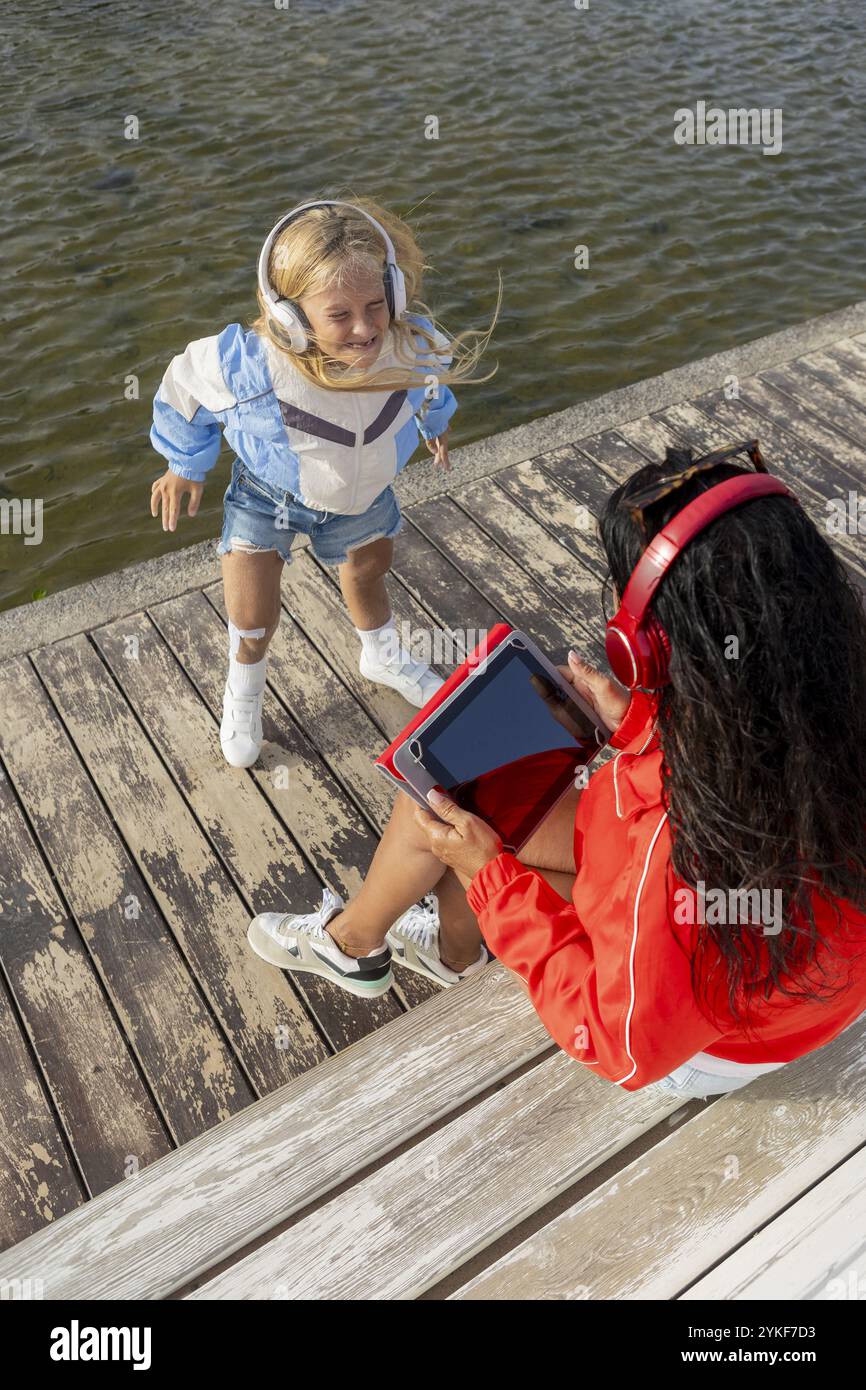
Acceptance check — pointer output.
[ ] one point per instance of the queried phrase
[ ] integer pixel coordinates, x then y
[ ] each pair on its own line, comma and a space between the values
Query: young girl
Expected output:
740, 768
301, 397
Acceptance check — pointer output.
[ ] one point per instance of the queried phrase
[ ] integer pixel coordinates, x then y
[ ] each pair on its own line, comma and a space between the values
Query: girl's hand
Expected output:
465, 842
607, 697
168, 492
439, 449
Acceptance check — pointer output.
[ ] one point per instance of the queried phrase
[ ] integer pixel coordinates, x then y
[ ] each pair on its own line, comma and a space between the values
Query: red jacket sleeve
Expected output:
537, 934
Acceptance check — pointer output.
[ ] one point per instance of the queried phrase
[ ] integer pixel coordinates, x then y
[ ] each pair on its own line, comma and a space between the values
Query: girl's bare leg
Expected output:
251, 584
362, 583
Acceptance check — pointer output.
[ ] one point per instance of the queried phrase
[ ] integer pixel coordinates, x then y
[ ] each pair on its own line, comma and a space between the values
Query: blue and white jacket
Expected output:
334, 450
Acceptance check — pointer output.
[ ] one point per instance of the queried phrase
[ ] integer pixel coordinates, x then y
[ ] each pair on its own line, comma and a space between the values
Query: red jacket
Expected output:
604, 971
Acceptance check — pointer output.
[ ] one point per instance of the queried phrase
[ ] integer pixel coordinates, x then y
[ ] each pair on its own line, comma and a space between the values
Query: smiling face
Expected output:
350, 320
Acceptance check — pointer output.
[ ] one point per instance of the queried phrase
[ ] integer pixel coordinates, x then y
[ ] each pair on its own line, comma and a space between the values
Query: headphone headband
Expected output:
285, 312
637, 645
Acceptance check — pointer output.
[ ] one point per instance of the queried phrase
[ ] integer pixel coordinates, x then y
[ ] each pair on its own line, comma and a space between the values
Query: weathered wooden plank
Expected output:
569, 516
834, 372
850, 355
505, 583
263, 861
805, 388
291, 774
581, 478
839, 460
212, 1197
38, 1183
440, 588
650, 437
260, 1012
814, 1250
422, 1215
611, 453
191, 1071
668, 1217
110, 1121
551, 565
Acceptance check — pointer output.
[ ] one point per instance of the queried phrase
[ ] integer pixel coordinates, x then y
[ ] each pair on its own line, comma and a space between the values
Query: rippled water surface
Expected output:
556, 128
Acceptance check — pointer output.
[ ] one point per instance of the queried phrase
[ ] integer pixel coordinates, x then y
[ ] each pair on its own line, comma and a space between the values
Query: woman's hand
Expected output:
607, 697
465, 842
168, 492
439, 449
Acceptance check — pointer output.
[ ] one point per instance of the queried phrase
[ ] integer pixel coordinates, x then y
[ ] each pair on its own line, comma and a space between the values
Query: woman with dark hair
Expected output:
638, 915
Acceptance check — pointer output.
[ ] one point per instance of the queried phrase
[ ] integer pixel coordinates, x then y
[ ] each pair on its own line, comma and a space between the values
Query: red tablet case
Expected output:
492, 639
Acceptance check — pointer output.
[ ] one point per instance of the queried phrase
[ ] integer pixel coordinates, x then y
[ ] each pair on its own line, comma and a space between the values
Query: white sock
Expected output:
247, 679
381, 644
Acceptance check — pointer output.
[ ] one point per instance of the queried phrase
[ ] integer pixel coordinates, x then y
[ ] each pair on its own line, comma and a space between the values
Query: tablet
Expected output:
507, 742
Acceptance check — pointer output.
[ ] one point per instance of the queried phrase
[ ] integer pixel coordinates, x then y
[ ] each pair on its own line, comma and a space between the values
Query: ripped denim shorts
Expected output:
258, 516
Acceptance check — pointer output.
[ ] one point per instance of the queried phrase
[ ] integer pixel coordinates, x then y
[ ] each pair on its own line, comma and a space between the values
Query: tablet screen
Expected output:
510, 746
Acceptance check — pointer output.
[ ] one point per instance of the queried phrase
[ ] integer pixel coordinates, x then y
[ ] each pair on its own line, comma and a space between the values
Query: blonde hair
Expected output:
326, 246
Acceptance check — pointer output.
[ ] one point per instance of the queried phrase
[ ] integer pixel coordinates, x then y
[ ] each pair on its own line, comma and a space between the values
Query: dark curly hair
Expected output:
764, 756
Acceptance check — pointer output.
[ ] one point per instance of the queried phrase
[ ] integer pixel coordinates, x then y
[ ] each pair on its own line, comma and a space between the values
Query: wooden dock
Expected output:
182, 1119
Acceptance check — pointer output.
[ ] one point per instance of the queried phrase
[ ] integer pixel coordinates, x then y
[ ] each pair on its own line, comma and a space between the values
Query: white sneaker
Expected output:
414, 942
412, 679
241, 727
298, 942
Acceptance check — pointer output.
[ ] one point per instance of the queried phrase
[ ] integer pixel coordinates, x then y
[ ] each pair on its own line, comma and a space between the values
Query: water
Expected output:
556, 128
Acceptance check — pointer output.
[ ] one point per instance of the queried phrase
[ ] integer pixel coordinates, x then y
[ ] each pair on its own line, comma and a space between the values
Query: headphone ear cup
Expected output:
289, 318
660, 652
621, 657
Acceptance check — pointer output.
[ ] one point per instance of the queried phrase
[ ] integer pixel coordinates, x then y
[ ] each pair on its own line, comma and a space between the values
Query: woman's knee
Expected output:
551, 846
404, 823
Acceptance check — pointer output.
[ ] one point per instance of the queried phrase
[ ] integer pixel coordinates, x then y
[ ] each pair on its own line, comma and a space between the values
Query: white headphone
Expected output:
287, 314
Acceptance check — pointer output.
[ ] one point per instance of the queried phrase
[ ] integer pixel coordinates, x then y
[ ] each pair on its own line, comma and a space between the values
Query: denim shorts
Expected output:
689, 1081
267, 518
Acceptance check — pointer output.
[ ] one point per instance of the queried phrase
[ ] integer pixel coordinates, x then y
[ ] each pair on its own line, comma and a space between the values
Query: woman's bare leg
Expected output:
404, 868
401, 871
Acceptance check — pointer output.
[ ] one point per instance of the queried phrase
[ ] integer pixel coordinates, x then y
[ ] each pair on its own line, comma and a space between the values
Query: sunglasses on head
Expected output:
647, 496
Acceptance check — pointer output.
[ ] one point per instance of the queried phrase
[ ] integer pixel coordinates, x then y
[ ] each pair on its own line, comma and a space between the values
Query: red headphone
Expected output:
638, 648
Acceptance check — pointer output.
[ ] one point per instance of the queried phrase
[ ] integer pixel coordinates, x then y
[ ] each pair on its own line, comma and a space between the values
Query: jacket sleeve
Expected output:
641, 713
537, 934
185, 427
435, 409
583, 997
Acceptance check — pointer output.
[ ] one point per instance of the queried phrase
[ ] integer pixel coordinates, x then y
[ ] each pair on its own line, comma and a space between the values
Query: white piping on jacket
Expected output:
619, 1080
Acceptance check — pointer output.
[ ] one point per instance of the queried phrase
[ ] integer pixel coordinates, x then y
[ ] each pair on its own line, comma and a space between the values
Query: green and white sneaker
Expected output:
414, 942
298, 941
